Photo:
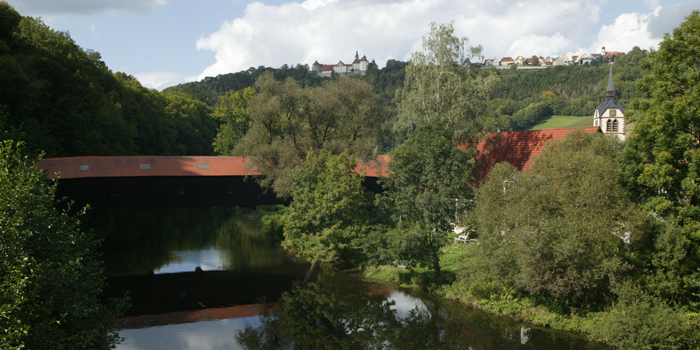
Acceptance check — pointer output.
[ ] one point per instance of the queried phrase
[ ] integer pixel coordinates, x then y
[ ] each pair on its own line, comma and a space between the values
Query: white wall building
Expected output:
610, 115
358, 66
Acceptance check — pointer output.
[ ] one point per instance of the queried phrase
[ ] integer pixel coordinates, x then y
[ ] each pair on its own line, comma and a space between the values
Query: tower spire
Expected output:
611, 90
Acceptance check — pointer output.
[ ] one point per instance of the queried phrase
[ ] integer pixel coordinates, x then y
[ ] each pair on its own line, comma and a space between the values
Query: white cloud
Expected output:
159, 80
540, 45
94, 31
82, 7
331, 30
669, 17
629, 30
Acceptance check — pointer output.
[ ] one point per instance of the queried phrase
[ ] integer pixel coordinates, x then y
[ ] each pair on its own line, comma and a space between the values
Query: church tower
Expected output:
610, 115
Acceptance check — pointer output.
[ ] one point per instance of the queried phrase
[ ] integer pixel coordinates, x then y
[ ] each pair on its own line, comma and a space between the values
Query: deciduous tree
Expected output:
50, 278
441, 88
661, 163
329, 207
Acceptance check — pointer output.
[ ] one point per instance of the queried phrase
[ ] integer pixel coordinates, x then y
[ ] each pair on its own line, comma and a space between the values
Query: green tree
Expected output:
286, 122
428, 183
329, 207
50, 278
661, 163
429, 180
558, 228
440, 88
232, 113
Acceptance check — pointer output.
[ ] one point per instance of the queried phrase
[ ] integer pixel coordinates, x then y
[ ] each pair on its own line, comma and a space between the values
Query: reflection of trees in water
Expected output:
332, 315
140, 241
345, 316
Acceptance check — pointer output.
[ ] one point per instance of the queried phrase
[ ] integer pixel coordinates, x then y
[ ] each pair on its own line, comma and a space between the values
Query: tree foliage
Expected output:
286, 122
50, 278
661, 165
329, 208
428, 183
557, 228
62, 99
232, 112
441, 88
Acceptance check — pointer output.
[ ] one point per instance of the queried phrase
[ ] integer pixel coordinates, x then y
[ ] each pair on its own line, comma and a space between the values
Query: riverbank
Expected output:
639, 318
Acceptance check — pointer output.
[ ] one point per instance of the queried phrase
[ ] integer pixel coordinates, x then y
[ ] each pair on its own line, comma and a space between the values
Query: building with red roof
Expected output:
358, 66
518, 148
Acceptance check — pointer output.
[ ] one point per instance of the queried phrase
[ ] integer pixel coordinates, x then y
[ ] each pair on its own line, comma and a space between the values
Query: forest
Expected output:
598, 236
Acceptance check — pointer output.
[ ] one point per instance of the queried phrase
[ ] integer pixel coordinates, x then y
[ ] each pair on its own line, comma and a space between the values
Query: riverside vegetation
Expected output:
598, 236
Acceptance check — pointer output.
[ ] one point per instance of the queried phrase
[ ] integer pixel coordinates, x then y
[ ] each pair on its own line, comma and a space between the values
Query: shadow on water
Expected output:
342, 313
199, 279
182, 259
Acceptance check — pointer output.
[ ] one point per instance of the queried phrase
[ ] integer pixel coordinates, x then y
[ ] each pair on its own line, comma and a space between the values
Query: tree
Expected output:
429, 182
661, 163
440, 88
286, 122
534, 60
232, 113
329, 207
557, 229
50, 279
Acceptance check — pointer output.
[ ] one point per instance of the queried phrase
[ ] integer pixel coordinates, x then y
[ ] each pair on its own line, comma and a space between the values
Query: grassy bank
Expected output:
627, 325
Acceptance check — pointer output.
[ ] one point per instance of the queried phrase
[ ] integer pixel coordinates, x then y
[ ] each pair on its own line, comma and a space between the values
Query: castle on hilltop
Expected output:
358, 66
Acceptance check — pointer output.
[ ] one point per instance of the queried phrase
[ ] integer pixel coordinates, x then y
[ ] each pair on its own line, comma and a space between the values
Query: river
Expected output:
216, 279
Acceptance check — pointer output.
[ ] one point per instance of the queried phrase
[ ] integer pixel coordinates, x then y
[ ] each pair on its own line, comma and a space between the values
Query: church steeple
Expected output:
610, 115
610, 94
357, 56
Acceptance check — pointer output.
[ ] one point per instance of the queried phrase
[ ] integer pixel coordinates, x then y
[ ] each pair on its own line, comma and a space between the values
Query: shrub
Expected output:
641, 321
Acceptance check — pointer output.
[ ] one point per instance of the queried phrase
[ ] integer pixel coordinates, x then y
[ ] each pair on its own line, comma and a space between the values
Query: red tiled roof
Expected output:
518, 148
506, 59
611, 53
87, 167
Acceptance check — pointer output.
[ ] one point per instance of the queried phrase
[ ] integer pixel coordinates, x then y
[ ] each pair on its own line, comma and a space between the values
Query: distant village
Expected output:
535, 62
360, 65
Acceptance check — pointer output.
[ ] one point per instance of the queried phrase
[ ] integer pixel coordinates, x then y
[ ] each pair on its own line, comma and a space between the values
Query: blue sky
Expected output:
166, 42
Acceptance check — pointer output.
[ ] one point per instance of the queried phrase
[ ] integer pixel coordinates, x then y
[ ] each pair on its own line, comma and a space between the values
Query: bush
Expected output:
640, 321
49, 276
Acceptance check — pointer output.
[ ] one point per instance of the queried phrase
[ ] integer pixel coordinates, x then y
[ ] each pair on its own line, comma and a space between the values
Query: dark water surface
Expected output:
215, 279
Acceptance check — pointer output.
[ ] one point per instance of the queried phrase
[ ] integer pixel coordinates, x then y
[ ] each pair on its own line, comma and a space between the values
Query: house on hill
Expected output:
610, 55
561, 61
507, 61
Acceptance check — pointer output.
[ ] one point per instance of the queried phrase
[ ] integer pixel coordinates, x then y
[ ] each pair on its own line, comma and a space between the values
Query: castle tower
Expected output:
610, 115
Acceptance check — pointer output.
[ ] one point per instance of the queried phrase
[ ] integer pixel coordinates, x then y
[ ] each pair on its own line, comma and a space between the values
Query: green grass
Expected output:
423, 277
562, 121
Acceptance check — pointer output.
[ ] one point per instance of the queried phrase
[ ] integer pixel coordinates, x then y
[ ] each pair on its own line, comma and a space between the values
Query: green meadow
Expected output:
563, 121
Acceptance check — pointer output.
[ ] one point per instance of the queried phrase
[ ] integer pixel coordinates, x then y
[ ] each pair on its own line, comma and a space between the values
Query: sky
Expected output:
168, 42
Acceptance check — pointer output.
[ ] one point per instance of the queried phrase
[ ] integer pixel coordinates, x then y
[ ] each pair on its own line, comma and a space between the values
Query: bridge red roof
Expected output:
87, 167
518, 148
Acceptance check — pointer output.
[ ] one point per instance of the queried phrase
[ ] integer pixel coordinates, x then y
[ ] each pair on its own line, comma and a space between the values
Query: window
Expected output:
614, 125
608, 127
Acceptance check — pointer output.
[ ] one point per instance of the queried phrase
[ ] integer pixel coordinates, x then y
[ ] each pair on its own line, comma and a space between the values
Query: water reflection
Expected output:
197, 278
140, 242
342, 314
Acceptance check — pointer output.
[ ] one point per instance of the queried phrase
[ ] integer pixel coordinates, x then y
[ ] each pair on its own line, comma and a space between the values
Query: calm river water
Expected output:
213, 279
